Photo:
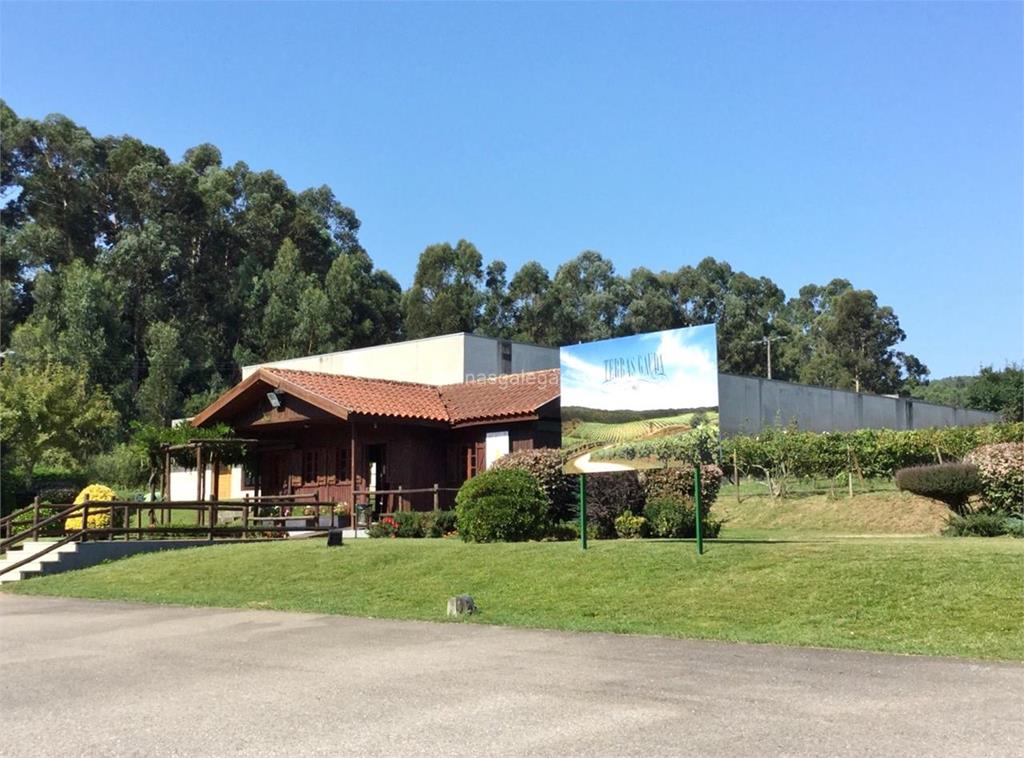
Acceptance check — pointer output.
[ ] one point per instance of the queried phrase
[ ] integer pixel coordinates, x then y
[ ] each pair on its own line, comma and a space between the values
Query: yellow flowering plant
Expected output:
99, 518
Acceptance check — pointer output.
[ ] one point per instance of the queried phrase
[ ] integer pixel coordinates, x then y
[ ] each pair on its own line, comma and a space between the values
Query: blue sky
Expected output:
684, 376
877, 142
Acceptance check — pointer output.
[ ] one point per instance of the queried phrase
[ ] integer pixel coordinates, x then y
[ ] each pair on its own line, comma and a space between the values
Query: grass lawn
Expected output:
959, 597
879, 512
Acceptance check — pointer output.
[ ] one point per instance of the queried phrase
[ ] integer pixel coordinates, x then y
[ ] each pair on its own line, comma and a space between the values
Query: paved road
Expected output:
91, 678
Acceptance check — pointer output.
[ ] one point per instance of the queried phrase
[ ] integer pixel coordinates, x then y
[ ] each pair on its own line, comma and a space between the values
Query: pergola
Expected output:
207, 451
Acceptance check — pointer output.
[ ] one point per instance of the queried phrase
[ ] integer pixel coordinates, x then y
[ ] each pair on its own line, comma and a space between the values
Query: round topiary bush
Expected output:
99, 518
1002, 475
950, 483
546, 465
501, 506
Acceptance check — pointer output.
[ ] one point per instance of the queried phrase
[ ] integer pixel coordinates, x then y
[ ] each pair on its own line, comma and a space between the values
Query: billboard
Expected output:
645, 401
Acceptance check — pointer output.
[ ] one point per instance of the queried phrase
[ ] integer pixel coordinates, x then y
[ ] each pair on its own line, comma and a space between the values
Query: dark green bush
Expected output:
609, 495
410, 523
979, 525
950, 483
124, 465
673, 517
546, 465
444, 522
58, 495
501, 506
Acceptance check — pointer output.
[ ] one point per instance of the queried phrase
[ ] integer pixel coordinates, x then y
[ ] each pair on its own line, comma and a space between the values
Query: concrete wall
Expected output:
748, 404
448, 359
434, 360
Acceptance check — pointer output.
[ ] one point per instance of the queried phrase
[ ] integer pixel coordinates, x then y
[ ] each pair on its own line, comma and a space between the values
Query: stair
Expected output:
50, 563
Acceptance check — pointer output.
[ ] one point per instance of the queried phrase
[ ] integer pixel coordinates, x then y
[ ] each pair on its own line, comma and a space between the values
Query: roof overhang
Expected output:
264, 380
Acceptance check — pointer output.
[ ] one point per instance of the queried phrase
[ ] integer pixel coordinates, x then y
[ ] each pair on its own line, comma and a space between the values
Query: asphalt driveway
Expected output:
95, 678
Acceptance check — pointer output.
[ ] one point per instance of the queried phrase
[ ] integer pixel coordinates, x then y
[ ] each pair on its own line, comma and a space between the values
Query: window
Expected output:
250, 476
471, 462
309, 466
341, 464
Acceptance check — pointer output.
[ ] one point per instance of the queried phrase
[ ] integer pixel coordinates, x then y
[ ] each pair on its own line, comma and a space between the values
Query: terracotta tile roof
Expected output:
374, 397
500, 397
508, 396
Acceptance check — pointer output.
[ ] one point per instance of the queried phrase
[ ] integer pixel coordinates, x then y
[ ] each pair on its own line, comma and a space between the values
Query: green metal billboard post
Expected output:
696, 507
583, 511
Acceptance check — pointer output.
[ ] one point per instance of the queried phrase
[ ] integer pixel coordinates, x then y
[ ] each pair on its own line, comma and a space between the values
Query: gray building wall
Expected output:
748, 404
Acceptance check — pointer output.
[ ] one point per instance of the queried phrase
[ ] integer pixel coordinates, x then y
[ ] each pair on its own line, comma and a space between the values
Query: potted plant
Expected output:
312, 516
340, 511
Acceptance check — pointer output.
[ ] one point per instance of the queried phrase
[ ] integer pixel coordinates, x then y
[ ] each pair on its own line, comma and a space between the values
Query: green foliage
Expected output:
1002, 474
950, 483
697, 444
444, 523
982, 525
386, 526
445, 295
159, 398
630, 526
122, 465
501, 506
677, 483
780, 453
51, 409
545, 464
1001, 391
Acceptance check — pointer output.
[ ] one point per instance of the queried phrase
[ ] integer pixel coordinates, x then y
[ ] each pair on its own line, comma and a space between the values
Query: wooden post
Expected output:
215, 496
352, 474
199, 483
401, 505
736, 474
35, 517
85, 517
437, 499
167, 475
245, 516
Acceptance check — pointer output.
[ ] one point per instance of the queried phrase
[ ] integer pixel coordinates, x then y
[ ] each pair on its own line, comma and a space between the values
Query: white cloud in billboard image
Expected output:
674, 369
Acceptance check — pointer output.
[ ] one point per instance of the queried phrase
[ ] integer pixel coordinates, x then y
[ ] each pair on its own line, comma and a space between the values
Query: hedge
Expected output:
1002, 474
950, 483
869, 453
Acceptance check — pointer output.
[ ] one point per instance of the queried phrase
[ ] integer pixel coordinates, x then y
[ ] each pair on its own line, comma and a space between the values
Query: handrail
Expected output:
20, 536
405, 492
40, 553
20, 512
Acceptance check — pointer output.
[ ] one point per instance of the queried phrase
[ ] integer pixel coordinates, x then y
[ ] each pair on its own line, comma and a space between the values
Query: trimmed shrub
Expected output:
629, 526
411, 524
950, 483
58, 495
678, 483
99, 518
501, 506
444, 523
673, 517
609, 495
546, 464
1002, 475
979, 525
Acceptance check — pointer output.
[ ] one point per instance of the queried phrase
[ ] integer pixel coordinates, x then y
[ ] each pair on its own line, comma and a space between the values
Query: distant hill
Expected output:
618, 417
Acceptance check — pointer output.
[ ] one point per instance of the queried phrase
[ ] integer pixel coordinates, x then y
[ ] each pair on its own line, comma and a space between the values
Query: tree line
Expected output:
153, 281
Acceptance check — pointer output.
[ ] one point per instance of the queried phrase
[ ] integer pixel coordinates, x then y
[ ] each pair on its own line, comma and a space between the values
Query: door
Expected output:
377, 472
224, 483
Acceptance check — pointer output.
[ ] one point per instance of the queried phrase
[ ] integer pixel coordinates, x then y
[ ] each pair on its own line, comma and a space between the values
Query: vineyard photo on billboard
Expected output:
644, 401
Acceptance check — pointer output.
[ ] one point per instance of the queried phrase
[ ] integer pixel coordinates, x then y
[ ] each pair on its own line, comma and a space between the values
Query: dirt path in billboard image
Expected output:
585, 465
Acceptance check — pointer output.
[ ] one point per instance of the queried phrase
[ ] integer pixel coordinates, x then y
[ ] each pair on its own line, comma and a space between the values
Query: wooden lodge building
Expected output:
344, 424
